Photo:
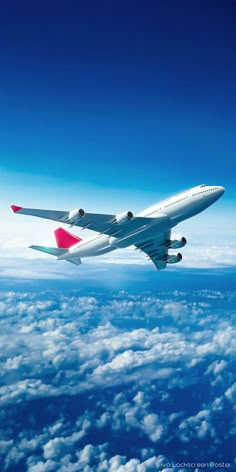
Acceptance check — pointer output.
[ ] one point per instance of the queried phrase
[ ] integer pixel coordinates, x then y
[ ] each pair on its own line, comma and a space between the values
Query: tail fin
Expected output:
64, 239
54, 251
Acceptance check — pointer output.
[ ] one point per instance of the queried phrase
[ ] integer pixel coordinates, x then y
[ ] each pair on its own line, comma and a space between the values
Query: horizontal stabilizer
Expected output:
75, 261
54, 251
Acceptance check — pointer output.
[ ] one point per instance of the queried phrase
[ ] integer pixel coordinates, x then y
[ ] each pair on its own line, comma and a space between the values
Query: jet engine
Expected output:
173, 258
124, 218
75, 215
176, 243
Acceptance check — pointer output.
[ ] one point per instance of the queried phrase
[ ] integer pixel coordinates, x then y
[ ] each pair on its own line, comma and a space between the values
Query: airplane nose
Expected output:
221, 190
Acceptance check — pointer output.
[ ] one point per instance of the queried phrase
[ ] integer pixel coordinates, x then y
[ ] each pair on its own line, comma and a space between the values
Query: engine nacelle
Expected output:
75, 215
173, 258
176, 243
124, 218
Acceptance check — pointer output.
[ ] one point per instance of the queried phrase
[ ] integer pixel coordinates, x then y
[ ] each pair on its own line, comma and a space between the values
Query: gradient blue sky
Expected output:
119, 94
116, 105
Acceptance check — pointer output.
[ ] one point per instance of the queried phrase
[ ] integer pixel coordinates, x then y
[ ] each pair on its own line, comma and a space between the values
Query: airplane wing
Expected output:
156, 249
101, 223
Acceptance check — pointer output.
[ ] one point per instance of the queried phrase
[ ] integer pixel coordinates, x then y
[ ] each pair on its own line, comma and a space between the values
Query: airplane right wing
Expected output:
157, 250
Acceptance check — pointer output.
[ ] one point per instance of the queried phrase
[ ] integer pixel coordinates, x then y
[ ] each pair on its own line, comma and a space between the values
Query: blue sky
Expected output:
126, 95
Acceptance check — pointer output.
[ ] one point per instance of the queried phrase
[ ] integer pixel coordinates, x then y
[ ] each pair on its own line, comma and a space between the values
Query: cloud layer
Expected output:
116, 383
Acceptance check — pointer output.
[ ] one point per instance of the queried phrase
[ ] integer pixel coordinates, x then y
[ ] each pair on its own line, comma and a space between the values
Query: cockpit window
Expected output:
204, 185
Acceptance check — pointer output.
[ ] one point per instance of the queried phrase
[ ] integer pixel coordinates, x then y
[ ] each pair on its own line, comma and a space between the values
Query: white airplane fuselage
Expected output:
167, 214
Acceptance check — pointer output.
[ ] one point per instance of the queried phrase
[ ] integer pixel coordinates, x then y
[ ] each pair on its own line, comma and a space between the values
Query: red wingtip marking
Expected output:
64, 239
16, 208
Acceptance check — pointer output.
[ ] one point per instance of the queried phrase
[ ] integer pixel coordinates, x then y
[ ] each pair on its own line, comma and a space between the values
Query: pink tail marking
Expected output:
64, 239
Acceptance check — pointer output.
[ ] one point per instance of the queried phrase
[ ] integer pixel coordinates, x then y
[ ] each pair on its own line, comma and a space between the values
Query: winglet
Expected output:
16, 208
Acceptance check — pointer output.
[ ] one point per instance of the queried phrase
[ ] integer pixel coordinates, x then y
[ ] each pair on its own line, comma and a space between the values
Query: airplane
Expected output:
149, 231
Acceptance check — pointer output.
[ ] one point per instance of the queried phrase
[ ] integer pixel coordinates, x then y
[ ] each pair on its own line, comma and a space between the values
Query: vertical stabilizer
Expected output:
64, 239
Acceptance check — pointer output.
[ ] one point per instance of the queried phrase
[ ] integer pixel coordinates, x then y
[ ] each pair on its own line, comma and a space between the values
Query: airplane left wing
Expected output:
101, 223
156, 249
89, 220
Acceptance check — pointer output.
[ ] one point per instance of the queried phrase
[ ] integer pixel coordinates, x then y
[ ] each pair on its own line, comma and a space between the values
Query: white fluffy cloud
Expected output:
103, 382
